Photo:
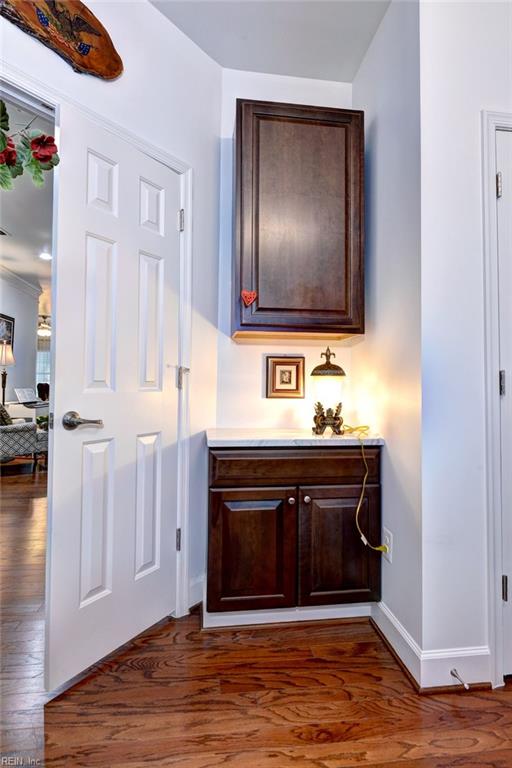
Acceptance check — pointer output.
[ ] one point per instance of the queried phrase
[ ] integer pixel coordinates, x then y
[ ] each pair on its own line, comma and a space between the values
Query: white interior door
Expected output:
504, 209
112, 541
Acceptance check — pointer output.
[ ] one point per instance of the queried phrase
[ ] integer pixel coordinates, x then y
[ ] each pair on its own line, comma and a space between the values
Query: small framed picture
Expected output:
7, 329
285, 376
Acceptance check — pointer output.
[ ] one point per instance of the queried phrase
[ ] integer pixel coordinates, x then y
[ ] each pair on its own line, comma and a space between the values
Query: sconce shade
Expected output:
6, 355
328, 368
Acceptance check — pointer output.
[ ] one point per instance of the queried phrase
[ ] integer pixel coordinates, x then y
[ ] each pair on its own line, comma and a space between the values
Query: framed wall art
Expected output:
285, 376
7, 329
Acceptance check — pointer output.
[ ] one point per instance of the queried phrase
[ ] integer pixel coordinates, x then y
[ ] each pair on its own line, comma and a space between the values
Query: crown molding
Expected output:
19, 283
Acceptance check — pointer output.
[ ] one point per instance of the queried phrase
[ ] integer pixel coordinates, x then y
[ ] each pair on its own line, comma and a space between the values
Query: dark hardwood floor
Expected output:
22, 562
323, 696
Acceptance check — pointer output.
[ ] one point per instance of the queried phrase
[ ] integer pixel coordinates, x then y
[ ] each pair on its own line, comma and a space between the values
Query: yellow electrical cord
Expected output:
362, 431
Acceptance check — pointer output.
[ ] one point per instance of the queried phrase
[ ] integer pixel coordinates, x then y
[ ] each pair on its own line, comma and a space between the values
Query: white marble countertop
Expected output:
282, 438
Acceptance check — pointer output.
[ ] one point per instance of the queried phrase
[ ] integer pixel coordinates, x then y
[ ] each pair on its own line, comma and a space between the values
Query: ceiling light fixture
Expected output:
44, 329
45, 256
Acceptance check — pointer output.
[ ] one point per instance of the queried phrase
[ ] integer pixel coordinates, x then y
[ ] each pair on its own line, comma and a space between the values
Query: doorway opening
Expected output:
497, 214
26, 332
504, 237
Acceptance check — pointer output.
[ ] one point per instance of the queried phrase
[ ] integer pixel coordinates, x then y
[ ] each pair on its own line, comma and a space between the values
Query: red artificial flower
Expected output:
8, 156
43, 148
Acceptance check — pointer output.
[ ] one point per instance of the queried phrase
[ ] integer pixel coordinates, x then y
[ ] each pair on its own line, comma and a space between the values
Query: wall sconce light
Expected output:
6, 358
328, 388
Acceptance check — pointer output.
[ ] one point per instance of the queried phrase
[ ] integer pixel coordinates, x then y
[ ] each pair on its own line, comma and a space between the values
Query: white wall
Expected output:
19, 299
170, 94
466, 62
241, 374
386, 365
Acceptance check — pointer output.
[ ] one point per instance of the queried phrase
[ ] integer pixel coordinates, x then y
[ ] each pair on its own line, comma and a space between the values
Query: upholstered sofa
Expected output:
22, 438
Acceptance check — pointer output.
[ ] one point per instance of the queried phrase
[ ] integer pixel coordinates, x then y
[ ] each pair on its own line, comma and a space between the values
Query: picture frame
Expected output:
7, 329
285, 377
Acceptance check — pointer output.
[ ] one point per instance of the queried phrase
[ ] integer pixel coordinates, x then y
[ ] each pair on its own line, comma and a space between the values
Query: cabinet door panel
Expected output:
299, 236
252, 549
334, 564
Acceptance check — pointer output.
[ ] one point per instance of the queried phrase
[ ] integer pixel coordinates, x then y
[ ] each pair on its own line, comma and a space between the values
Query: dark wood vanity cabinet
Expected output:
299, 229
282, 528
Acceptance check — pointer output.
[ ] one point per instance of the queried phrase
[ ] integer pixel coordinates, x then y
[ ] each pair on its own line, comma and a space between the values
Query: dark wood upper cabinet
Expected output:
299, 220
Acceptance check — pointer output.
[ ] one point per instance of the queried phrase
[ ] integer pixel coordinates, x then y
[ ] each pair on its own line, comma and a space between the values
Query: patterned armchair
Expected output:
20, 439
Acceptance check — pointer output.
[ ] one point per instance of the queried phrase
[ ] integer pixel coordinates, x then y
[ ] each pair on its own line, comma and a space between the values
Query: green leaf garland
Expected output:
5, 177
24, 153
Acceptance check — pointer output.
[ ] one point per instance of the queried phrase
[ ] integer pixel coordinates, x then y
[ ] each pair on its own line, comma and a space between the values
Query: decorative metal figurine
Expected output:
329, 418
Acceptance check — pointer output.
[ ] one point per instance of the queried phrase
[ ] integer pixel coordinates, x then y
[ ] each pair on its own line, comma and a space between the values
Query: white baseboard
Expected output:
278, 615
404, 645
472, 664
431, 668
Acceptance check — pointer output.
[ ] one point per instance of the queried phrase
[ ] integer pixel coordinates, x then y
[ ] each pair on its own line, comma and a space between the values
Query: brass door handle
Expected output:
72, 420
307, 499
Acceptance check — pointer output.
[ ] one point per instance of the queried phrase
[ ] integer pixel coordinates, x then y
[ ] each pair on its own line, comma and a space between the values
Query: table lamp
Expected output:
6, 358
328, 378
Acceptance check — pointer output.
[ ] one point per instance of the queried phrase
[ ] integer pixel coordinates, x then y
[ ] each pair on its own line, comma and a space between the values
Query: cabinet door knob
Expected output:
291, 501
307, 499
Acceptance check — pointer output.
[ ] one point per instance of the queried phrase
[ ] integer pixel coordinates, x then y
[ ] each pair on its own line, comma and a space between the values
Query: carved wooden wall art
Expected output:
70, 29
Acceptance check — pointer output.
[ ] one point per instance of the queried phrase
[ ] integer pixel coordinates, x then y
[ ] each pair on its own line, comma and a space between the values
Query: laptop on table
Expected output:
27, 397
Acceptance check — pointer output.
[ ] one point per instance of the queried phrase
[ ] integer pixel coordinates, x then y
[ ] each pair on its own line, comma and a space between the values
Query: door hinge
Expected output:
178, 539
499, 184
181, 220
50, 421
182, 370
502, 383
504, 588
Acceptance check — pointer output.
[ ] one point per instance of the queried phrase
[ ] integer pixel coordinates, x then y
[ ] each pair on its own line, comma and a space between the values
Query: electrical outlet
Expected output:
387, 540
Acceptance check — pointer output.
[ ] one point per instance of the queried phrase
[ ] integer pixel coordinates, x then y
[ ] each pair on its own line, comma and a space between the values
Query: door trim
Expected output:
492, 122
48, 98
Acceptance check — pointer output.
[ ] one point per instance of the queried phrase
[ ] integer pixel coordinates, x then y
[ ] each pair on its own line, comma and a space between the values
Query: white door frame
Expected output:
32, 88
492, 122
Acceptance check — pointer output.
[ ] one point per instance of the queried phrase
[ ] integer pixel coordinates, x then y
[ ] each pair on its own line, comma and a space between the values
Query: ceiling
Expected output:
304, 38
26, 214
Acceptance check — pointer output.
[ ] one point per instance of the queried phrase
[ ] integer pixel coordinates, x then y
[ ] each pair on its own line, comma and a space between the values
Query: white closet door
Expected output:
504, 208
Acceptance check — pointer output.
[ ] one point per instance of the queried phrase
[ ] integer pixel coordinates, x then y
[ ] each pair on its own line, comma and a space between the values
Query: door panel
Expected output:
504, 213
334, 564
252, 549
111, 554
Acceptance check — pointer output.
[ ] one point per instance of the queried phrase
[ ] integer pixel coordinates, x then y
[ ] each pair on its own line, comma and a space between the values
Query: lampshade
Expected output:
327, 381
6, 355
328, 368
